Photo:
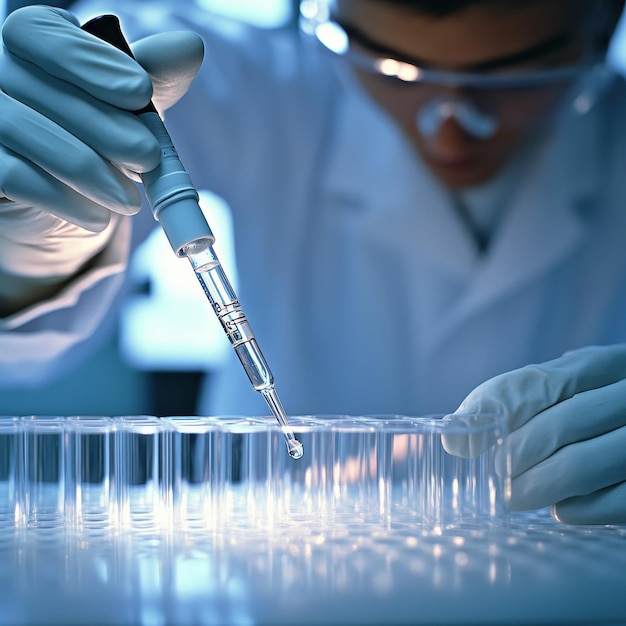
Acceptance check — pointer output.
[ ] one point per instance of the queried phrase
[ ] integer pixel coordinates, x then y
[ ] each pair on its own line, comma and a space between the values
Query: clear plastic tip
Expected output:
295, 448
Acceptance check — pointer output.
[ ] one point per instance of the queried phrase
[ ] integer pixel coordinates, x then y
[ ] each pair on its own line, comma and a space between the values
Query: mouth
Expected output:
457, 162
462, 163
458, 171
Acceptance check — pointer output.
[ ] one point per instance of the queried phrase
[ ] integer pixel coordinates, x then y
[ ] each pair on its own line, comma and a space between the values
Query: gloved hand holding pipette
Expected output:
67, 157
567, 425
112, 132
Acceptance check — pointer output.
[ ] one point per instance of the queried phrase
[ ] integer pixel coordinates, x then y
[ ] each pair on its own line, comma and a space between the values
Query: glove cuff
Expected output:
31, 270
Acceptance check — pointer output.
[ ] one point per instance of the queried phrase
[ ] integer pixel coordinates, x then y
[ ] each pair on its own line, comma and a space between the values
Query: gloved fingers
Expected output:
605, 506
117, 135
22, 181
584, 416
578, 469
468, 436
24, 184
523, 393
52, 39
172, 60
37, 140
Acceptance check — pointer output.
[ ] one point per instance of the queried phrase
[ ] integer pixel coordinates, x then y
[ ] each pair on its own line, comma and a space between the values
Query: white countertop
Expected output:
534, 572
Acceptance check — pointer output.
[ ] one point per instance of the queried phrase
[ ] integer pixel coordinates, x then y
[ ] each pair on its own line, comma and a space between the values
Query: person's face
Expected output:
482, 38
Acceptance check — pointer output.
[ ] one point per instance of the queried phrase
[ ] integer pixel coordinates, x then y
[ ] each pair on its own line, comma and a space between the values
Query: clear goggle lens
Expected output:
479, 102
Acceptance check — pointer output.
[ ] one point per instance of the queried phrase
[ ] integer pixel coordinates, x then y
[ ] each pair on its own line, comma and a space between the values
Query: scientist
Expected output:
427, 194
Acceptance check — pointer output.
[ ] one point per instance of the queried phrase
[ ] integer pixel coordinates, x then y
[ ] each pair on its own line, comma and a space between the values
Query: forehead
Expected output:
471, 36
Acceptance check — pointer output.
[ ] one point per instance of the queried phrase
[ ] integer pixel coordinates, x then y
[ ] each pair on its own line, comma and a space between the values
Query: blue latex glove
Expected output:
69, 145
567, 425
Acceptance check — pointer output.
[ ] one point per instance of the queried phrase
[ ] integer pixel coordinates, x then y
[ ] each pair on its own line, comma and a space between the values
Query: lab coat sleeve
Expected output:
46, 339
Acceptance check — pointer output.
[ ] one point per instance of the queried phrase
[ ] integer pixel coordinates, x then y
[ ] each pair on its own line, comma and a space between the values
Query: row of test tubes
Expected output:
144, 475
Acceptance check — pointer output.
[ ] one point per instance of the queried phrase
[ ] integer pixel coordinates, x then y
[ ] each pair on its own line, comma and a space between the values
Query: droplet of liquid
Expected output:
296, 449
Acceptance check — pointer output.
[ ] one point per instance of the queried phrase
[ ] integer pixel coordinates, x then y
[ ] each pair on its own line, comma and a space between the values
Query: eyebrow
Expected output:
538, 51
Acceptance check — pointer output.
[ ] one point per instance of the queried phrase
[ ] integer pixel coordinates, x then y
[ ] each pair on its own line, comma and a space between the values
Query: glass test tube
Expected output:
355, 489
481, 478
399, 456
9, 479
245, 456
43, 471
142, 474
91, 497
197, 475
458, 484
300, 493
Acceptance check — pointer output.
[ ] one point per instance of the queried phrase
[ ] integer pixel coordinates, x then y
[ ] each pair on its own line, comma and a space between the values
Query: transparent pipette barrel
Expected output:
224, 301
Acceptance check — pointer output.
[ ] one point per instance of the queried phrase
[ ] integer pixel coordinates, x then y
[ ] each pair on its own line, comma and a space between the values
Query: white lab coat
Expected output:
366, 292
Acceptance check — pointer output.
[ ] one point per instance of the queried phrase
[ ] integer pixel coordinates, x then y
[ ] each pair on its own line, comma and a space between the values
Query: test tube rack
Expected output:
230, 475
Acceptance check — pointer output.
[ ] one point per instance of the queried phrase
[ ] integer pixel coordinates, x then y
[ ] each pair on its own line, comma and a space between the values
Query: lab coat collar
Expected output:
373, 169
551, 204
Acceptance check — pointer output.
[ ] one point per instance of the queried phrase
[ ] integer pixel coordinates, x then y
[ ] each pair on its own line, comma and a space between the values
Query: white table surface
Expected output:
534, 572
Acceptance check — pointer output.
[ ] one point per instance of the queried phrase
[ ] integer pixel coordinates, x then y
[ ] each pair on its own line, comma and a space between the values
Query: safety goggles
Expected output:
480, 102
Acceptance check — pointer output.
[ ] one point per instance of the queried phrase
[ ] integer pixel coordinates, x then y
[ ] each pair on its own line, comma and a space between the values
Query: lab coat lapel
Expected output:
402, 208
545, 222
373, 169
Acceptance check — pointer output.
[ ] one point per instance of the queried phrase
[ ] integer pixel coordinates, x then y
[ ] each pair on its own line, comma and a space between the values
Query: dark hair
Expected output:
440, 8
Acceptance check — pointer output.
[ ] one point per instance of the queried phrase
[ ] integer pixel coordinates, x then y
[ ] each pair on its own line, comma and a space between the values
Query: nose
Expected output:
433, 114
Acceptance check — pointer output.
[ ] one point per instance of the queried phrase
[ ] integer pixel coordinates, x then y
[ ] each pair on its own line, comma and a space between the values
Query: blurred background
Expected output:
139, 368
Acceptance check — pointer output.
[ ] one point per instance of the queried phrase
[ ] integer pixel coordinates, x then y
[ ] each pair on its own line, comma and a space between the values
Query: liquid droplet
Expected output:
296, 449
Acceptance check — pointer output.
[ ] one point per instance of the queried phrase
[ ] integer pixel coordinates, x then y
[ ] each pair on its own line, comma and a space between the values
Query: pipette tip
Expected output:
295, 448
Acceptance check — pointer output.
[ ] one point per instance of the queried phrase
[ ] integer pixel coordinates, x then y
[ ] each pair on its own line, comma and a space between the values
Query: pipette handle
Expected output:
170, 192
107, 28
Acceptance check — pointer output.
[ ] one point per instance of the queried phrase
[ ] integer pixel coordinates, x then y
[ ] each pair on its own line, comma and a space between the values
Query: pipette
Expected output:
174, 203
